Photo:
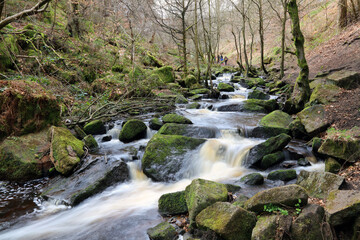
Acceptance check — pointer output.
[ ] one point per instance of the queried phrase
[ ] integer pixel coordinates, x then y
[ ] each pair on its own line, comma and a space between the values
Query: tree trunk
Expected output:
342, 8
283, 30
261, 35
2, 4
197, 44
184, 39
210, 57
244, 39
73, 24
301, 92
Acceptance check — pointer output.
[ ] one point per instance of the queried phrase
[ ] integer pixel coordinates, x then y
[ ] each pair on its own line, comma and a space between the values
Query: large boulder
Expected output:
250, 105
26, 107
190, 80
331, 165
165, 155
344, 79
90, 142
319, 184
155, 124
283, 175
227, 220
24, 158
132, 130
272, 159
94, 176
202, 193
253, 179
188, 130
95, 127
65, 151
288, 195
342, 206
180, 99
314, 119
252, 82
223, 87
271, 145
273, 124
175, 118
172, 203
165, 74
162, 231
271, 227
324, 94
257, 94
200, 91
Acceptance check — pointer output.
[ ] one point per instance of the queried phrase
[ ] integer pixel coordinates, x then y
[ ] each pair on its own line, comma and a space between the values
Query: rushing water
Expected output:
126, 210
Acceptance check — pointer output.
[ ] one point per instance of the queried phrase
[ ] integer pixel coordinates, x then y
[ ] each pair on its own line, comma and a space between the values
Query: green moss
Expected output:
162, 231
324, 94
95, 127
257, 94
194, 105
256, 105
172, 203
283, 175
165, 73
155, 124
254, 82
8, 43
90, 142
331, 165
190, 80
79, 132
180, 99
133, 129
253, 179
271, 159
200, 91
175, 118
223, 87
316, 144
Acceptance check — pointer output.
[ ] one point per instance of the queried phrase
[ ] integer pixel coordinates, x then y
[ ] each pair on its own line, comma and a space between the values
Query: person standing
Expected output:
226, 60
221, 59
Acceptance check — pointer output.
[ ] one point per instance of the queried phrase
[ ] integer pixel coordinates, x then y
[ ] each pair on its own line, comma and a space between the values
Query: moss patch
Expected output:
133, 130
172, 203
175, 118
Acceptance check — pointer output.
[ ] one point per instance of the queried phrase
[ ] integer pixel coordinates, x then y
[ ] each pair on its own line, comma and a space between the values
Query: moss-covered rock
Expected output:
90, 142
194, 105
252, 82
200, 91
175, 118
150, 60
8, 42
202, 193
298, 130
195, 97
227, 220
256, 105
155, 124
331, 165
23, 158
80, 134
342, 206
286, 195
162, 231
283, 175
271, 145
240, 200
253, 179
319, 184
272, 159
180, 99
324, 94
190, 80
274, 123
95, 127
165, 155
26, 107
172, 203
257, 94
316, 144
314, 120
165, 73
344, 79
66, 149
187, 130
271, 227
224, 87
132, 130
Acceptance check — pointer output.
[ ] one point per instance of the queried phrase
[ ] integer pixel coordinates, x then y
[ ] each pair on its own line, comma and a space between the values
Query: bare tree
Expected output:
342, 17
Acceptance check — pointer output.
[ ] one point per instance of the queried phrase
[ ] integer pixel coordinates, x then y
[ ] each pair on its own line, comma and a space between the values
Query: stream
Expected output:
127, 210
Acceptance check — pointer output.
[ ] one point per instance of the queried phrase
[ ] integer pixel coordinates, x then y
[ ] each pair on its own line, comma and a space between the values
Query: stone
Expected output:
271, 145
188, 130
240, 200
155, 124
257, 94
106, 138
202, 193
251, 105
90, 142
253, 179
66, 150
165, 155
162, 231
288, 195
223, 87
344, 79
172, 204
95, 127
175, 118
331, 165
298, 130
190, 80
94, 176
252, 82
200, 91
275, 123
316, 144
283, 175
195, 97
319, 184
132, 130
80, 134
180, 99
165, 74
271, 227
324, 94
314, 120
194, 105
227, 220
272, 159
342, 207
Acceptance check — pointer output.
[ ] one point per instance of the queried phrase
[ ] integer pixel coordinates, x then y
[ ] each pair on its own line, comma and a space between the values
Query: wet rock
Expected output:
180, 99
272, 159
316, 144
253, 179
80, 134
356, 229
342, 206
90, 142
223, 87
190, 80
314, 120
344, 79
227, 220
200, 91
283, 175
23, 158
194, 105
324, 94
195, 97
66, 150
224, 96
232, 188
319, 184
133, 129
288, 195
331, 165
106, 138
172, 203
271, 145
252, 82
240, 200
175, 118
298, 130
165, 155
273, 124
94, 176
303, 162
251, 105
155, 124
201, 194
271, 227
309, 224
95, 127
188, 130
257, 94
162, 231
